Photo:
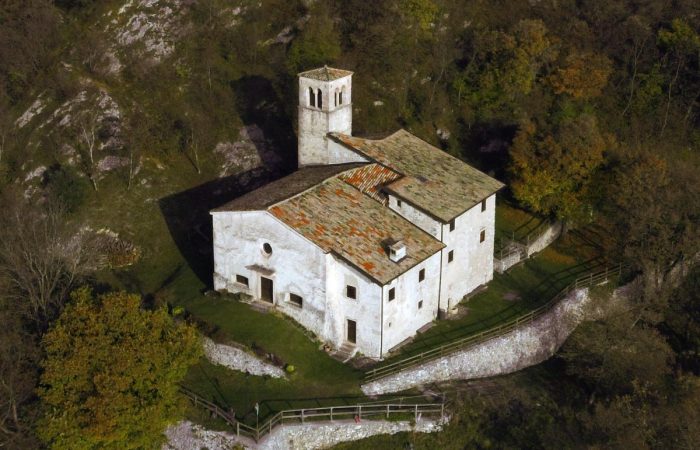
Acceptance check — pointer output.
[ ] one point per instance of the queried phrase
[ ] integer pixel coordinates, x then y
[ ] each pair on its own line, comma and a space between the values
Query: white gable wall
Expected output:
472, 265
473, 260
299, 266
365, 310
402, 317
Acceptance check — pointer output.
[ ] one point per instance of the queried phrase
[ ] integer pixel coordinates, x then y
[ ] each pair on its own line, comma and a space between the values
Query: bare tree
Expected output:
42, 258
87, 135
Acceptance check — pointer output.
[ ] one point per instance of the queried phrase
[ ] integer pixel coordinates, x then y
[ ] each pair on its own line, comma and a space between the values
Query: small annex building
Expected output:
369, 240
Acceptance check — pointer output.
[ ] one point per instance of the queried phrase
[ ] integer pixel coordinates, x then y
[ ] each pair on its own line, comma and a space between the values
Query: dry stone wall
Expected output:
237, 359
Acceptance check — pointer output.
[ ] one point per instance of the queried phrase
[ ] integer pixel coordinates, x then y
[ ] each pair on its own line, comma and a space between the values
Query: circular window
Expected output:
267, 248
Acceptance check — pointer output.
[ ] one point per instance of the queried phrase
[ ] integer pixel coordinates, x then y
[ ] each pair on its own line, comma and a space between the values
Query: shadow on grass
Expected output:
187, 216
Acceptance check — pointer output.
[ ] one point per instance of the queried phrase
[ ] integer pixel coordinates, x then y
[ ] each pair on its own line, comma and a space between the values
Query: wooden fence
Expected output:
591, 279
329, 413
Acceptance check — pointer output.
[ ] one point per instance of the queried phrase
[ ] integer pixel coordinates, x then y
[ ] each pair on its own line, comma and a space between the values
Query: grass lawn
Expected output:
514, 223
521, 289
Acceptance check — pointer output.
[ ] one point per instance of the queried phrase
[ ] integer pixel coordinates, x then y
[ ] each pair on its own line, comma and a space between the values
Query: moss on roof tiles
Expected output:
433, 180
325, 74
299, 181
339, 218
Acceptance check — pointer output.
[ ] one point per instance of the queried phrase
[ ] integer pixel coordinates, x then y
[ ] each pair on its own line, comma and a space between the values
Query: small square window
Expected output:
482, 236
398, 203
392, 294
450, 256
421, 275
420, 304
240, 279
350, 291
296, 299
452, 225
483, 205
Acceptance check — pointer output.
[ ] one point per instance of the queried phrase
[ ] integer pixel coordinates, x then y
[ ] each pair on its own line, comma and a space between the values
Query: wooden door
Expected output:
352, 331
266, 289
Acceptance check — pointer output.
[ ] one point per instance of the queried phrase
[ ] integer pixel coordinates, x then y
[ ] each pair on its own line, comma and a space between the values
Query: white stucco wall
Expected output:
472, 265
402, 317
315, 123
298, 266
365, 310
473, 260
415, 216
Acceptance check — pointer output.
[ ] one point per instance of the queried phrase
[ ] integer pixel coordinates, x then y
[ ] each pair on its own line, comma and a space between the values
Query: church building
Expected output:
369, 240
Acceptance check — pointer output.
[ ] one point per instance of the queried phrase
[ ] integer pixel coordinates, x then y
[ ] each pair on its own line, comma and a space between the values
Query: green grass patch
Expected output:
514, 223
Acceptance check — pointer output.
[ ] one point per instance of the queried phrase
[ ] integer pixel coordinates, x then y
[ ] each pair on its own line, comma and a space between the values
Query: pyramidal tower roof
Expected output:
325, 73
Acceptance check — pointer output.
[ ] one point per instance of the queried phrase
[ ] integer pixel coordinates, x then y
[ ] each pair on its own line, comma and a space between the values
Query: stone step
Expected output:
260, 306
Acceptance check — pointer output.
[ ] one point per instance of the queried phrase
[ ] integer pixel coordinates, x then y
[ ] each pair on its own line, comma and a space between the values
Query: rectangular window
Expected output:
421, 275
483, 205
350, 291
452, 225
398, 203
296, 299
482, 236
420, 304
392, 294
240, 279
450, 256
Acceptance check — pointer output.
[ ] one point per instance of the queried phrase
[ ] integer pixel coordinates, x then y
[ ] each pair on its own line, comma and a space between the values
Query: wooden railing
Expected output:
330, 413
463, 343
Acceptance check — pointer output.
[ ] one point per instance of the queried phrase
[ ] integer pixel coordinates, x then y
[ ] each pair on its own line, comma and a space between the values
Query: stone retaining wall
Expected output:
187, 436
526, 346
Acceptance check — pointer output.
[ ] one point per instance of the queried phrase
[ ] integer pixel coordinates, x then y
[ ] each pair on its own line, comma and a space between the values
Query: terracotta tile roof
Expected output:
370, 179
433, 180
340, 219
325, 73
299, 181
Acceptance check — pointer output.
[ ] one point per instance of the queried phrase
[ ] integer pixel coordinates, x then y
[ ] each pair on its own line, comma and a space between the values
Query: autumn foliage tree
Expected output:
111, 372
553, 169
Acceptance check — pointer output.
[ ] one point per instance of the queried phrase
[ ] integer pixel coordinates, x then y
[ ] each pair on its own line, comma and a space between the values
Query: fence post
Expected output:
331, 413
238, 428
387, 411
302, 416
359, 412
416, 411
270, 429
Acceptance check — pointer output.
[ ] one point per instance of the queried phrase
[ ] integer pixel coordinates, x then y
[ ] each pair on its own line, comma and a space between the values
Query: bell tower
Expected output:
325, 105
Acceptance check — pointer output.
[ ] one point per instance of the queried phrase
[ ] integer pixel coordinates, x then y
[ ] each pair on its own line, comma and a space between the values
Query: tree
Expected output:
583, 75
42, 258
503, 69
552, 171
682, 43
654, 205
19, 357
317, 44
111, 373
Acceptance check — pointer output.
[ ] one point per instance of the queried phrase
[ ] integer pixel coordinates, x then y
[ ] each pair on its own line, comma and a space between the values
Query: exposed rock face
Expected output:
523, 347
252, 150
237, 359
148, 28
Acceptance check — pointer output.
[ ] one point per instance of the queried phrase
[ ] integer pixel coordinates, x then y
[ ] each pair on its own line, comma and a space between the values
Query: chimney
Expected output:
397, 251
